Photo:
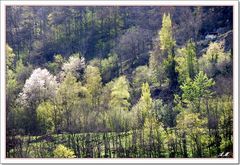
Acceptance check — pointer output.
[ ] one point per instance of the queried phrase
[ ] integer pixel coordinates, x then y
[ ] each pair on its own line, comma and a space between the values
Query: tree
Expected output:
39, 87
93, 84
11, 81
109, 67
55, 66
10, 57
75, 65
156, 66
143, 74
166, 35
146, 99
120, 94
164, 113
195, 90
67, 99
119, 103
63, 152
133, 45
45, 112
144, 105
195, 128
167, 44
187, 64
162, 60
215, 59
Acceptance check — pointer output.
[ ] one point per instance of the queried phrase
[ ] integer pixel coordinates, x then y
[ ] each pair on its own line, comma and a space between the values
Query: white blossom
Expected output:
74, 64
40, 85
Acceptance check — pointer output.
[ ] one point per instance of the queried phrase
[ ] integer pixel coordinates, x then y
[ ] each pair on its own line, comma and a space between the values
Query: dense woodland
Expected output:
119, 82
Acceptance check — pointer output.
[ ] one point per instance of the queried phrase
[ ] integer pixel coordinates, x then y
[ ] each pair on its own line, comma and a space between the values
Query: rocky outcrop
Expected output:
226, 38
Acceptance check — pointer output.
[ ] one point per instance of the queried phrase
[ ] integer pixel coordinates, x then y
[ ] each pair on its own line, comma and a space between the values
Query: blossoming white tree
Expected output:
75, 64
40, 86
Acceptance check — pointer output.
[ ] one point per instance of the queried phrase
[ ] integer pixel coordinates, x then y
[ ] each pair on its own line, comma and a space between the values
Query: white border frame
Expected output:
122, 3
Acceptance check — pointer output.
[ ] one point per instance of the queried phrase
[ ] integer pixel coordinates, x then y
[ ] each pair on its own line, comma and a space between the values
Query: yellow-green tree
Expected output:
195, 90
195, 128
166, 34
93, 84
45, 114
144, 105
167, 44
119, 103
63, 152
67, 100
10, 56
215, 59
187, 63
120, 94
162, 61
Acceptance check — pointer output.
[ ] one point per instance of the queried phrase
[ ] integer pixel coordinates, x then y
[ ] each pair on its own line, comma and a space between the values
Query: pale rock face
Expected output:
40, 85
210, 37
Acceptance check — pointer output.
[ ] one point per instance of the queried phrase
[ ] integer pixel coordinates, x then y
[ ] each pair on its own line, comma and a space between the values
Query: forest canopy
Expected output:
119, 81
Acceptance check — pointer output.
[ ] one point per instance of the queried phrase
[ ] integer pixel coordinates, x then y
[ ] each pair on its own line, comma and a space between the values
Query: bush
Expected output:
63, 152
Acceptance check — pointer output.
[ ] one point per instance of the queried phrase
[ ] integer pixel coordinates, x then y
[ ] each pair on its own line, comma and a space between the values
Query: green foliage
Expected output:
67, 99
56, 65
169, 65
69, 89
23, 72
158, 71
192, 123
164, 55
111, 101
164, 113
109, 67
166, 35
194, 126
215, 59
144, 105
45, 117
226, 121
11, 81
93, 80
146, 99
187, 64
120, 94
10, 56
167, 44
143, 74
63, 152
58, 59
197, 88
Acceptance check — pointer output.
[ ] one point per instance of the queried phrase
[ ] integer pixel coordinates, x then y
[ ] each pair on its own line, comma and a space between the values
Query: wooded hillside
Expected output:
137, 82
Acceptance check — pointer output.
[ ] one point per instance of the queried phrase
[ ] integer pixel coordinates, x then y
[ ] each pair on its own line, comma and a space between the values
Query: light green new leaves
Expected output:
93, 80
197, 88
214, 59
187, 63
120, 94
10, 57
45, 116
166, 34
63, 152
146, 99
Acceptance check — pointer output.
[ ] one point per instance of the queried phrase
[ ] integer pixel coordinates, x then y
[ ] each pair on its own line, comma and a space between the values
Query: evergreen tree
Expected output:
195, 90
187, 64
